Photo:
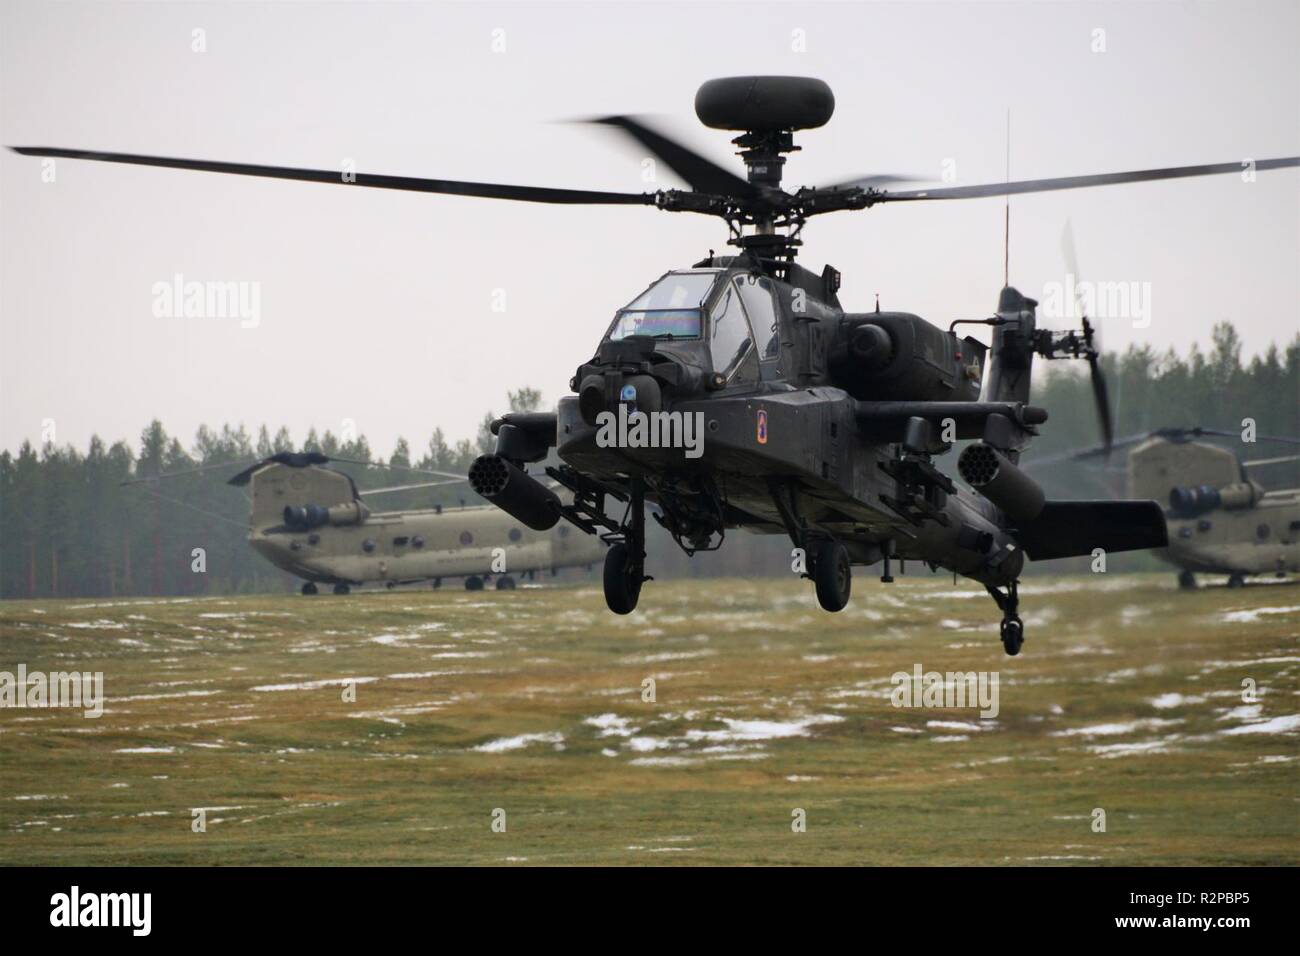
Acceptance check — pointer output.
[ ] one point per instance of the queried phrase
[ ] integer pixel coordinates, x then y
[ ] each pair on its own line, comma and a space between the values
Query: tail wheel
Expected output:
833, 575
622, 579
1013, 635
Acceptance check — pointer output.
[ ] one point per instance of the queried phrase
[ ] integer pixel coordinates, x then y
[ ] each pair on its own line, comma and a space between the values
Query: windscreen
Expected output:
730, 331
756, 292
669, 309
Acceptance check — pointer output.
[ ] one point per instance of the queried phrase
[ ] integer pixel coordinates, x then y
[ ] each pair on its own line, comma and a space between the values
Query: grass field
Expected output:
1127, 697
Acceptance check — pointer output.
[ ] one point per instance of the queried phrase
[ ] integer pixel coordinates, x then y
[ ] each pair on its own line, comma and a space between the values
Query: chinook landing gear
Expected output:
473, 583
342, 589
1012, 629
309, 588
1186, 581
505, 583
625, 559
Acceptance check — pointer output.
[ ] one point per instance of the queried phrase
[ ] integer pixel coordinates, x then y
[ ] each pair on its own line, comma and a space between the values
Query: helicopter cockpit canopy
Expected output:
672, 308
715, 310
730, 338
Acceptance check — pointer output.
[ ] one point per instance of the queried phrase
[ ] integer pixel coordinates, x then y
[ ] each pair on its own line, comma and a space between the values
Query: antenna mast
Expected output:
1006, 235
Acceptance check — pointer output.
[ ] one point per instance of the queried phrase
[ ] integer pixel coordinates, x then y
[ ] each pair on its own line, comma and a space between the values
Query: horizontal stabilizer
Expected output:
1067, 529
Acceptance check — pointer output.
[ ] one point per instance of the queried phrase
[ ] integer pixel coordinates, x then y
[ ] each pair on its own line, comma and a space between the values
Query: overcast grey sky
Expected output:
378, 306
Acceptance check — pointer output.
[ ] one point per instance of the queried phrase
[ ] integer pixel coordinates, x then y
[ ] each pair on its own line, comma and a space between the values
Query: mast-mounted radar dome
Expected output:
764, 104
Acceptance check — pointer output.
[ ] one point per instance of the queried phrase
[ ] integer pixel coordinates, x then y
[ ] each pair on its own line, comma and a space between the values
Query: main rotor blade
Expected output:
1172, 433
383, 464
450, 187
188, 471
1079, 182
1082, 454
1270, 461
874, 182
370, 492
1218, 433
702, 174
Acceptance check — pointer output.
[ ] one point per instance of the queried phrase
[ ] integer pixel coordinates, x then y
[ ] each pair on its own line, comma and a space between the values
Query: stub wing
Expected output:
1068, 529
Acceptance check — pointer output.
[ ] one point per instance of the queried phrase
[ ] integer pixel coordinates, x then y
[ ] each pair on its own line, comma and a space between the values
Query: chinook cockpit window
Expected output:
669, 309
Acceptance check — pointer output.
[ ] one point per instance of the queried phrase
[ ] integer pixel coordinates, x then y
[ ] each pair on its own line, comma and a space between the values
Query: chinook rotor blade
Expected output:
294, 459
1080, 454
190, 471
1080, 182
1172, 434
451, 187
1215, 433
420, 471
702, 174
304, 458
1258, 462
369, 492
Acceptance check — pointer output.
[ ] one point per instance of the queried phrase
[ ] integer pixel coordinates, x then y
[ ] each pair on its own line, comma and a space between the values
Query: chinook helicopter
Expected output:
310, 520
1221, 518
818, 424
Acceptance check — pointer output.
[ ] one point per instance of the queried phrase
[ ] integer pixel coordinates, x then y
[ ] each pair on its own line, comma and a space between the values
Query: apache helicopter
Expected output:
310, 520
820, 424
1221, 519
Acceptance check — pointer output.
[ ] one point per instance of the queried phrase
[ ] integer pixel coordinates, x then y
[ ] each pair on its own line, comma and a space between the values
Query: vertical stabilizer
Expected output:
1011, 356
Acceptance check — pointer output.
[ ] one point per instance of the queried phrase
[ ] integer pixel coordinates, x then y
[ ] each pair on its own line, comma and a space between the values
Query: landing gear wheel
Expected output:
309, 588
1013, 635
390, 585
342, 589
833, 575
625, 559
505, 583
1236, 580
623, 578
473, 583
1013, 629
1186, 581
